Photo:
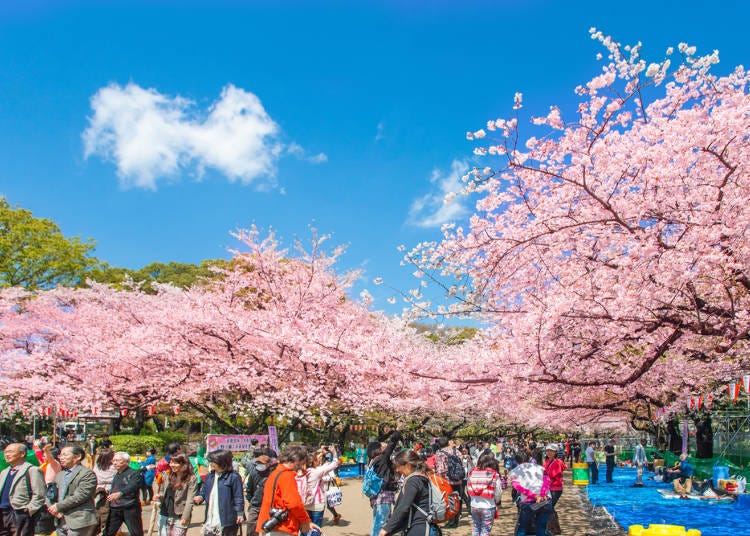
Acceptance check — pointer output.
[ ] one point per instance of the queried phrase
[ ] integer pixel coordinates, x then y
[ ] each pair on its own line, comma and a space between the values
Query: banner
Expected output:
746, 383
734, 390
273, 439
235, 443
685, 432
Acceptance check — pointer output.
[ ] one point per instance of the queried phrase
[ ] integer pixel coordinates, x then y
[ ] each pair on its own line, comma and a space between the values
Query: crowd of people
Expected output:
92, 489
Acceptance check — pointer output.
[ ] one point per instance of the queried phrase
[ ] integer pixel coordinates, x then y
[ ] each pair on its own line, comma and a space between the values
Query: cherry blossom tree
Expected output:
274, 333
608, 252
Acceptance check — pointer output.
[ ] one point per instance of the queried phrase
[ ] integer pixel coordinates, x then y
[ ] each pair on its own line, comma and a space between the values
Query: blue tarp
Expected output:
645, 506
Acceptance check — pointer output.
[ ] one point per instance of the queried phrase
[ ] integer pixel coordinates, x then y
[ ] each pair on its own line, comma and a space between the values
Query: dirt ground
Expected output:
573, 510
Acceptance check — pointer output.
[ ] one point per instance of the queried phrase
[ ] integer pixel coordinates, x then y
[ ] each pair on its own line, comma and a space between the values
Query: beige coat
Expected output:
183, 498
20, 498
77, 506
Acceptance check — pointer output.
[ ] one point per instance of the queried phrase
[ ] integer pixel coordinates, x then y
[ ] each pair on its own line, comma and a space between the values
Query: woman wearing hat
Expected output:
554, 468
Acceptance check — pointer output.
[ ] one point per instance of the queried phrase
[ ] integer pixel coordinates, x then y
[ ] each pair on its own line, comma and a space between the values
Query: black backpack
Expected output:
456, 471
45, 522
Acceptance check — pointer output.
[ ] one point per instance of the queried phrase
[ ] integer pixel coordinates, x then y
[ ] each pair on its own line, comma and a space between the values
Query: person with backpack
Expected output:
534, 504
411, 513
483, 486
380, 483
449, 466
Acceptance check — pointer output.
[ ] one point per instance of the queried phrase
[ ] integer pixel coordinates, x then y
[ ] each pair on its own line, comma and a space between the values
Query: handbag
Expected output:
536, 506
334, 496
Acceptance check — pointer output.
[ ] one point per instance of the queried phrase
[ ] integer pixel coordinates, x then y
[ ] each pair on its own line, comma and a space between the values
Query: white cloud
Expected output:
150, 136
380, 134
298, 151
431, 209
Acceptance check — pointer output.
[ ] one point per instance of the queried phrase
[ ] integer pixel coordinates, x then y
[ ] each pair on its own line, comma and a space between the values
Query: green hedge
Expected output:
168, 437
139, 444
136, 444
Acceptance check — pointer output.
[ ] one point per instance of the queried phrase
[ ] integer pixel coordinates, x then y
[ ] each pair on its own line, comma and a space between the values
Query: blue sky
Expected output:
155, 128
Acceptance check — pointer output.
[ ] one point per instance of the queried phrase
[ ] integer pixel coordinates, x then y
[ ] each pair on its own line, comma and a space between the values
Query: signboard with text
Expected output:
235, 443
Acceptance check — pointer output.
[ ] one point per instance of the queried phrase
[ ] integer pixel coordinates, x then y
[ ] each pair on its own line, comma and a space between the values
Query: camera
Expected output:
277, 516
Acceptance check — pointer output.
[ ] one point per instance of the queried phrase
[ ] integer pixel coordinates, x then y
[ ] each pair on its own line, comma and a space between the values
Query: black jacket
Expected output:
254, 485
127, 482
404, 517
384, 466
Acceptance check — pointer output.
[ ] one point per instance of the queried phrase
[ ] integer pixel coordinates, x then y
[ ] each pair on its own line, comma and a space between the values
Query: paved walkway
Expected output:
573, 509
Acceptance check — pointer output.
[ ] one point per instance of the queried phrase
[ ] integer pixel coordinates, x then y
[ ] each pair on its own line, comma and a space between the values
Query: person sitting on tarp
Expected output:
683, 477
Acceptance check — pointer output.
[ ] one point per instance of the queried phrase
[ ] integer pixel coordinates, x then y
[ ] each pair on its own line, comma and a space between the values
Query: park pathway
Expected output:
577, 518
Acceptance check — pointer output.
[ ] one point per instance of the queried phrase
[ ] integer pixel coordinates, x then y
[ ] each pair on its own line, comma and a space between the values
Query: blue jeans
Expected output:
540, 517
380, 513
315, 517
593, 472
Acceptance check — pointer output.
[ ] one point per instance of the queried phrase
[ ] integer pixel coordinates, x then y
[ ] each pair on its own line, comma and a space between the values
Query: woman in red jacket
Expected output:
554, 468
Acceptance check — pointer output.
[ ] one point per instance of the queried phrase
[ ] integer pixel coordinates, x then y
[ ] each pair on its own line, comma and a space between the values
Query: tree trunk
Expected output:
704, 435
258, 425
284, 436
139, 421
221, 424
675, 437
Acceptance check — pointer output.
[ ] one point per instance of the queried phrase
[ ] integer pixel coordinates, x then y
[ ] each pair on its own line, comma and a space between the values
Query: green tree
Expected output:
34, 253
179, 274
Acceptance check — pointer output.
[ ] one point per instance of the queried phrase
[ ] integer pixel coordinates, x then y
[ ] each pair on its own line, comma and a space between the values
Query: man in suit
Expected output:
21, 493
75, 503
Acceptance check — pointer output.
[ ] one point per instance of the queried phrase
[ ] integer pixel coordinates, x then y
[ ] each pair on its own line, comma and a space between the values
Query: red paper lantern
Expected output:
176, 409
124, 412
151, 410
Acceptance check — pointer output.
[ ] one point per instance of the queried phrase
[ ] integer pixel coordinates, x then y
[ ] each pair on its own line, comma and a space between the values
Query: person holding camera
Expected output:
315, 502
283, 511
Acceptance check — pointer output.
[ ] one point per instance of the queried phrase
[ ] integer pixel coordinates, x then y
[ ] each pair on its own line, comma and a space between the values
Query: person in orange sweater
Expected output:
280, 492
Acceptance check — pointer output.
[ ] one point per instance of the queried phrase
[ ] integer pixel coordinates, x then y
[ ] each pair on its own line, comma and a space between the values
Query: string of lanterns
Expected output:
733, 390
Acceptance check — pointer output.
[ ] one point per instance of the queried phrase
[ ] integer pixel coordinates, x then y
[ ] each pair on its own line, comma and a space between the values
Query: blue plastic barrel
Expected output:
720, 472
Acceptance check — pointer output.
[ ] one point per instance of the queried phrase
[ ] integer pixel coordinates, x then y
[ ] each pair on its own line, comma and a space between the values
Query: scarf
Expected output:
213, 520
